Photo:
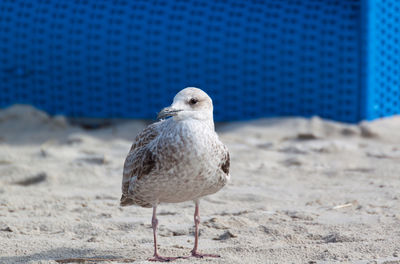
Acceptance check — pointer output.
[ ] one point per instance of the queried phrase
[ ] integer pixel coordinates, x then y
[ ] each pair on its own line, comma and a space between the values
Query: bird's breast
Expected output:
187, 159
188, 145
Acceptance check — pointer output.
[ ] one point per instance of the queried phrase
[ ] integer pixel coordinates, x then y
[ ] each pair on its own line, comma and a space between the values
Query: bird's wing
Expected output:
225, 161
139, 161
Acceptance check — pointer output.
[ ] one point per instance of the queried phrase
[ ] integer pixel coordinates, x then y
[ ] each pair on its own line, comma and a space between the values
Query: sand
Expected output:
302, 191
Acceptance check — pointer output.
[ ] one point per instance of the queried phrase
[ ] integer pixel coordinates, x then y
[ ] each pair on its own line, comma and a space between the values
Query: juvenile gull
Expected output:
176, 160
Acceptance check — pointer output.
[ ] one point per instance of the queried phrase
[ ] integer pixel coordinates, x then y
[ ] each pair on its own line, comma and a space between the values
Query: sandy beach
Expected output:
302, 191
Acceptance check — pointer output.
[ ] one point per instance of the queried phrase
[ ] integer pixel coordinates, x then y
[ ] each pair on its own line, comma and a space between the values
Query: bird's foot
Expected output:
201, 255
163, 259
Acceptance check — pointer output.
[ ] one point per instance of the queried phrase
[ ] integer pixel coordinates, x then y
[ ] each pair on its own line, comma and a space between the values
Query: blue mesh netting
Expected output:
91, 58
382, 58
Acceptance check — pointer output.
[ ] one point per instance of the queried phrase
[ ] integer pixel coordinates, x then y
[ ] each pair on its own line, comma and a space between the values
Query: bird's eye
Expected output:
193, 101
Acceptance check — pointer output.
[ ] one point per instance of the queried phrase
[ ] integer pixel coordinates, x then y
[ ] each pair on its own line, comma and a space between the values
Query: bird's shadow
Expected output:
66, 255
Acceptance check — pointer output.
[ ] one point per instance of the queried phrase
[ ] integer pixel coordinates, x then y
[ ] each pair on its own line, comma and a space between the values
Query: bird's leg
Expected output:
154, 224
194, 251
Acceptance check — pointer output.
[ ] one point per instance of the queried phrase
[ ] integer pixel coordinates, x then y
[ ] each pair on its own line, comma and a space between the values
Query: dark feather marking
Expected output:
126, 200
148, 164
225, 165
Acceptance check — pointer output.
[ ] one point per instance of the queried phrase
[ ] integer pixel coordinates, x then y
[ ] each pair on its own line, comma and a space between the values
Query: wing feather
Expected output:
139, 162
226, 161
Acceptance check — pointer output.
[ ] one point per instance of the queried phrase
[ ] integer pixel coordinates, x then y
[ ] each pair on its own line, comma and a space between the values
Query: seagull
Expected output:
177, 159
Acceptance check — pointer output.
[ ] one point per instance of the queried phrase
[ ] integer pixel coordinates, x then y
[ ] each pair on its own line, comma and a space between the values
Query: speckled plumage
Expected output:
174, 161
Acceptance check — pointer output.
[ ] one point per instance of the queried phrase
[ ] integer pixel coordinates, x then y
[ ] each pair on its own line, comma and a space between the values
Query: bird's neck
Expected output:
196, 120
193, 126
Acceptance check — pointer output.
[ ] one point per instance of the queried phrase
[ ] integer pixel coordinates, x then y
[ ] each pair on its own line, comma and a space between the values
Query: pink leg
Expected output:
154, 224
194, 251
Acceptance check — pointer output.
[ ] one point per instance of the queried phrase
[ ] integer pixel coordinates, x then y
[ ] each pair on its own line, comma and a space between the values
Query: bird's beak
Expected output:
167, 112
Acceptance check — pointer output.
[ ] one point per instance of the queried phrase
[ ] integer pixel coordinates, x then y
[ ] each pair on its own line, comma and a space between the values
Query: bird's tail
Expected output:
126, 201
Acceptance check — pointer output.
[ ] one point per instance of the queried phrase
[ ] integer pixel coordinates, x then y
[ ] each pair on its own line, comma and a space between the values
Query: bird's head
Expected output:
189, 103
